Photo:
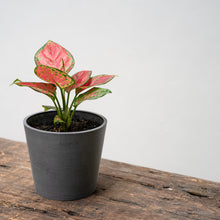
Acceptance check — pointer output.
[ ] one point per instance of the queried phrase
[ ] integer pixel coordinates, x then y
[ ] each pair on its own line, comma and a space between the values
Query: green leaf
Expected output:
57, 119
48, 107
91, 94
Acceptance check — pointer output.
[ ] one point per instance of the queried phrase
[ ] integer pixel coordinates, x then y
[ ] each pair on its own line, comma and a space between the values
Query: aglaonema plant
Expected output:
53, 63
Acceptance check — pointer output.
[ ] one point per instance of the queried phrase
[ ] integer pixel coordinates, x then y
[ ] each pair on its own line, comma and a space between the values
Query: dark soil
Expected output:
76, 125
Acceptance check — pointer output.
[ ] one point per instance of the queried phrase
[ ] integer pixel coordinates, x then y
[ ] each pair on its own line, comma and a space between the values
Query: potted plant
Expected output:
64, 145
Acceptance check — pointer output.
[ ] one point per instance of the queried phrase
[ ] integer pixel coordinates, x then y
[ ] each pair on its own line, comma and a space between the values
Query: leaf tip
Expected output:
15, 82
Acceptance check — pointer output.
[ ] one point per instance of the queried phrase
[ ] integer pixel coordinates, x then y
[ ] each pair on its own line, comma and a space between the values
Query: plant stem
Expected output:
68, 97
63, 98
58, 107
71, 104
71, 116
58, 111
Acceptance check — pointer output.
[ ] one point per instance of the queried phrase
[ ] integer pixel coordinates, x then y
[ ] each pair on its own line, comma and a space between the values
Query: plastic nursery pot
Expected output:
64, 164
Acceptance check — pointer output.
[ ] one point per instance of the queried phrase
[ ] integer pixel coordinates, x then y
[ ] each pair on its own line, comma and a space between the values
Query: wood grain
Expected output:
123, 192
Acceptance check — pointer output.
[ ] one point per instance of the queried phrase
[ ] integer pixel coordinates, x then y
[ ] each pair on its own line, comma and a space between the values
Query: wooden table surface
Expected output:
123, 192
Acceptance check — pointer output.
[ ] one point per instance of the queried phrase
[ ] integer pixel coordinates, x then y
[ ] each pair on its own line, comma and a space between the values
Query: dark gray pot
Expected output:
64, 164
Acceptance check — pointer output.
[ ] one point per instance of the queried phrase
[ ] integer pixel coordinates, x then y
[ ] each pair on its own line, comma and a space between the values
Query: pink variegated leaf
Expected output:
54, 55
54, 76
91, 94
45, 88
80, 79
95, 81
57, 119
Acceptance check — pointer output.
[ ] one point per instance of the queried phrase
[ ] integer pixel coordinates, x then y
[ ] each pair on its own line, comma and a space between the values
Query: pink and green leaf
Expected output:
91, 94
45, 88
54, 55
95, 81
54, 76
80, 79
57, 119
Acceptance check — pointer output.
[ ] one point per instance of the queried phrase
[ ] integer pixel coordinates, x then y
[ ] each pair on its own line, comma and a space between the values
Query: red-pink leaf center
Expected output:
54, 55
80, 79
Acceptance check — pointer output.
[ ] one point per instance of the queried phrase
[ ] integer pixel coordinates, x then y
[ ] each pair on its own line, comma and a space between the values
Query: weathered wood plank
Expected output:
123, 192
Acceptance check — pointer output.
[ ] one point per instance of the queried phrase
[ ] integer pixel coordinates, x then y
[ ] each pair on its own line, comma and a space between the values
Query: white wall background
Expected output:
164, 111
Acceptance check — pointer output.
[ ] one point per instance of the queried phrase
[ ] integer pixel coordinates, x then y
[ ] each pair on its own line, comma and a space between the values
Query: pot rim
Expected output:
68, 132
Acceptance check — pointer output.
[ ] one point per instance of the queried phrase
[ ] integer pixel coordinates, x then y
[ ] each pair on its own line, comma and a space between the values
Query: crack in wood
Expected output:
76, 214
182, 215
153, 172
126, 202
72, 213
149, 185
170, 188
5, 166
166, 187
165, 198
196, 194
27, 208
192, 215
